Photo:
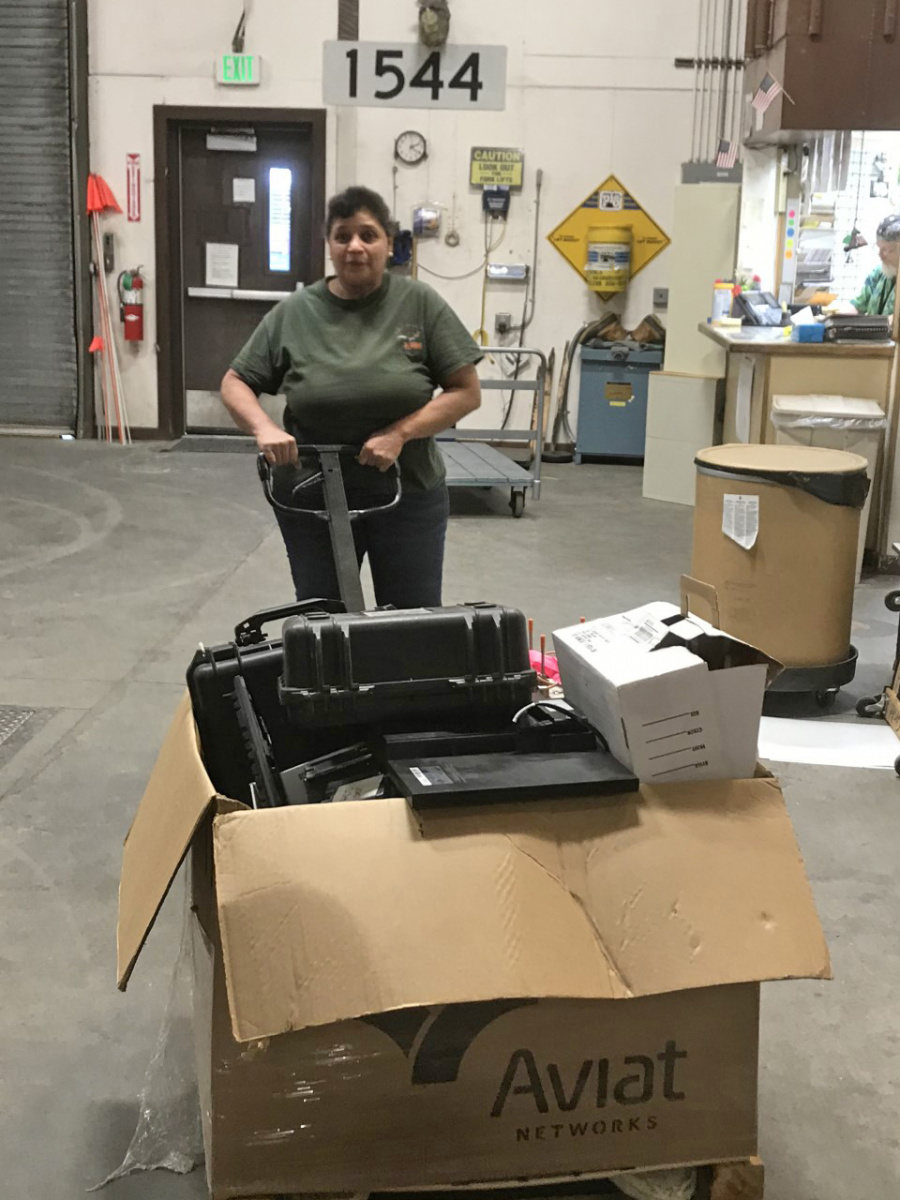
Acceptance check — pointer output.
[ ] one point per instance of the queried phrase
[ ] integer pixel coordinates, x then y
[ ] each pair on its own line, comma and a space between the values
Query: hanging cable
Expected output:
465, 275
696, 79
482, 266
706, 85
724, 77
740, 37
529, 302
237, 41
481, 334
531, 282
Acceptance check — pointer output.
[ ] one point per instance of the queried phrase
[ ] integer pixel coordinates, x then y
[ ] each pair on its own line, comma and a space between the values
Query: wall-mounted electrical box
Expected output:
495, 201
511, 272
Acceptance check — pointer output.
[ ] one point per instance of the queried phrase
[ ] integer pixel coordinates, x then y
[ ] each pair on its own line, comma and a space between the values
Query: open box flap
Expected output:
178, 795
700, 600
330, 912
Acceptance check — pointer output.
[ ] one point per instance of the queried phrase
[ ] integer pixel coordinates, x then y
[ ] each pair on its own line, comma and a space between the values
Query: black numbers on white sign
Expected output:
429, 75
389, 73
383, 66
473, 82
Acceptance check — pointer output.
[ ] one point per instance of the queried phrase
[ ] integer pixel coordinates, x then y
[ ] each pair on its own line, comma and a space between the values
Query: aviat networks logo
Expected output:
623, 1083
605, 1093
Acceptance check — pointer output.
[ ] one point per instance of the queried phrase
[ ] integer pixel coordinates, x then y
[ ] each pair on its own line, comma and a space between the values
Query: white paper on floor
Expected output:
828, 743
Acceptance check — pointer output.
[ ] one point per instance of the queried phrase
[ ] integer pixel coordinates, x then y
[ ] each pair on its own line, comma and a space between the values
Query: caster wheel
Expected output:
826, 699
870, 706
517, 503
892, 602
897, 764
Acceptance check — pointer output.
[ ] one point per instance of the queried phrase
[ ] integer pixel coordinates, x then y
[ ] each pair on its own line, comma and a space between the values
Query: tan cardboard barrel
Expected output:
775, 533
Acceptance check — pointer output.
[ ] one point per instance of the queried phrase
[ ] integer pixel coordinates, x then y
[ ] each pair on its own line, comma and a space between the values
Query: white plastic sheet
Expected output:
828, 743
678, 1184
169, 1134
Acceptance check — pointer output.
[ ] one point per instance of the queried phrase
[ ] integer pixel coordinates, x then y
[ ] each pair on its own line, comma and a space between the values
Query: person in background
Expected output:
359, 356
880, 289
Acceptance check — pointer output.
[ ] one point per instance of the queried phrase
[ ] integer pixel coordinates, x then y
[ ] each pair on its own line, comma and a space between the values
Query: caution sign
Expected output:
609, 206
494, 166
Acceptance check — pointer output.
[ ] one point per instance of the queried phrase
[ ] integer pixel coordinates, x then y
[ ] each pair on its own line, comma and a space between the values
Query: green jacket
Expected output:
877, 297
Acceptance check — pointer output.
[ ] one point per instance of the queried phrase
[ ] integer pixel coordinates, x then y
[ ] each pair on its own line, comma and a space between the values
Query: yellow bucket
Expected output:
608, 266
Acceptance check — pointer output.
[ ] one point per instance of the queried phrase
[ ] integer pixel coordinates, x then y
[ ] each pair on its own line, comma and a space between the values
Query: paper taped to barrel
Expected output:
674, 697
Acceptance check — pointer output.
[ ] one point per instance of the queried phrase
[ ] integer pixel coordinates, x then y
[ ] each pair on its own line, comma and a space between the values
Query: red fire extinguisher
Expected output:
130, 286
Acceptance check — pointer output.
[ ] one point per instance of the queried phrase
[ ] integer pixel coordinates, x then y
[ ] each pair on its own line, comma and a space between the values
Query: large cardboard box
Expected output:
675, 698
385, 1000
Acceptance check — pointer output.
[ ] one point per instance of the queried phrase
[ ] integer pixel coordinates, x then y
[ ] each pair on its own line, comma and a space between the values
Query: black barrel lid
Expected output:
834, 476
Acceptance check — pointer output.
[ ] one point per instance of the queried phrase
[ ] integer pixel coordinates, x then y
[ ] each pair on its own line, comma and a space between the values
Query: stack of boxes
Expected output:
387, 999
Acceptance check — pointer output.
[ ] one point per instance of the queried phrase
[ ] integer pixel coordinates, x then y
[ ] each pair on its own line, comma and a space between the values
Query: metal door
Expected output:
37, 290
247, 242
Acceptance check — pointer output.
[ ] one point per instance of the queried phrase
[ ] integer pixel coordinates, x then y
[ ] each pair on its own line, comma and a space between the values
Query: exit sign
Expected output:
239, 70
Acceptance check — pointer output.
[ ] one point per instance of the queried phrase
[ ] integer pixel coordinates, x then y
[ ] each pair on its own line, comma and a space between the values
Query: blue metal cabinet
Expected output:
612, 405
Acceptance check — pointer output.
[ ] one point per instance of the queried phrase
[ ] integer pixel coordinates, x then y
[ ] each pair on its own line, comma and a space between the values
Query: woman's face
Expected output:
889, 253
359, 248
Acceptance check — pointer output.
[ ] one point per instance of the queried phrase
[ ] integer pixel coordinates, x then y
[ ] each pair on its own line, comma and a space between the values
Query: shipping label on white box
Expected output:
637, 628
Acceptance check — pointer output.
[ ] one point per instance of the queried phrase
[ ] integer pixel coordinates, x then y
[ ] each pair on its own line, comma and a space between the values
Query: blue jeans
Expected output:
405, 546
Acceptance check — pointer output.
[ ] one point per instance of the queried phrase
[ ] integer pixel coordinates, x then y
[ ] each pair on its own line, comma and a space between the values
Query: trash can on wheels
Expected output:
775, 534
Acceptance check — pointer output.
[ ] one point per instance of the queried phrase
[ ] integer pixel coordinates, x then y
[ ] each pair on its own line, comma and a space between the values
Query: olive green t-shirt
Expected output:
350, 367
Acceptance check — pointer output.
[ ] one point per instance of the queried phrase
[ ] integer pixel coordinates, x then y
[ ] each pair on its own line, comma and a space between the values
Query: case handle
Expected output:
250, 632
701, 599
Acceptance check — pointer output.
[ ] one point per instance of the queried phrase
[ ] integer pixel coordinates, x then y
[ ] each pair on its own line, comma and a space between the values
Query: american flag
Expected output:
727, 155
766, 93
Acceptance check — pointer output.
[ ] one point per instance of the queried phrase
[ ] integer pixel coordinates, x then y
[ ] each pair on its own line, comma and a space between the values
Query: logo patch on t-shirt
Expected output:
412, 341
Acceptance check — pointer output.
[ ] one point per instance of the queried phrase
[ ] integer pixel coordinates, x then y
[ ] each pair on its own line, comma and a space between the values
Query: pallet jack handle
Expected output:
337, 513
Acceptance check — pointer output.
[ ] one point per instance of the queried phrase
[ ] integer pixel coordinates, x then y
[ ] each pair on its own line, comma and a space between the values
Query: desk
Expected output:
785, 368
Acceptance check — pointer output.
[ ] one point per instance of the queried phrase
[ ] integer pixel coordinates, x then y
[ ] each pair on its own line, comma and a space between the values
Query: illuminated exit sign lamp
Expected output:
239, 70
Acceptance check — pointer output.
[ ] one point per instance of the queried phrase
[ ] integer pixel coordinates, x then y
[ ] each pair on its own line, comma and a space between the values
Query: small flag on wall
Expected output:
727, 155
767, 91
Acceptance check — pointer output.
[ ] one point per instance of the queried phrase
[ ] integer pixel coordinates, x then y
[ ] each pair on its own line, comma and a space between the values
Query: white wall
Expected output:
592, 90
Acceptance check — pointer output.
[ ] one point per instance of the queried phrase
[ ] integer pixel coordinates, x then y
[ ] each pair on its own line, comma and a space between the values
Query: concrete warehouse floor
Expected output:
115, 563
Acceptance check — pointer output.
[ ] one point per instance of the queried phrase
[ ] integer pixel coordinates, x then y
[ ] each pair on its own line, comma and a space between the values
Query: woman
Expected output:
358, 356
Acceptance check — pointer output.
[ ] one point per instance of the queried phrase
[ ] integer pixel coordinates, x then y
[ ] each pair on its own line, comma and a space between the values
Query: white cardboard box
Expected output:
674, 697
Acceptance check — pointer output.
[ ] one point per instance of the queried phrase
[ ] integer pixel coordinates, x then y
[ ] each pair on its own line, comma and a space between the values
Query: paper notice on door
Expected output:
744, 395
221, 265
740, 520
243, 191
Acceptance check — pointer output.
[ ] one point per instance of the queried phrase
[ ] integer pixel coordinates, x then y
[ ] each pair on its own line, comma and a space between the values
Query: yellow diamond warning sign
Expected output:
610, 207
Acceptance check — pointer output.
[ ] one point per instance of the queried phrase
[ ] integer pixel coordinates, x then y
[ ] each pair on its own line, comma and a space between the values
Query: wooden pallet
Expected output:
722, 1181
732, 1181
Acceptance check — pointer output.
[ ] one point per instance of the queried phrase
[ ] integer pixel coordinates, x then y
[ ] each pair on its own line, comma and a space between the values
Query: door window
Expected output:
280, 183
